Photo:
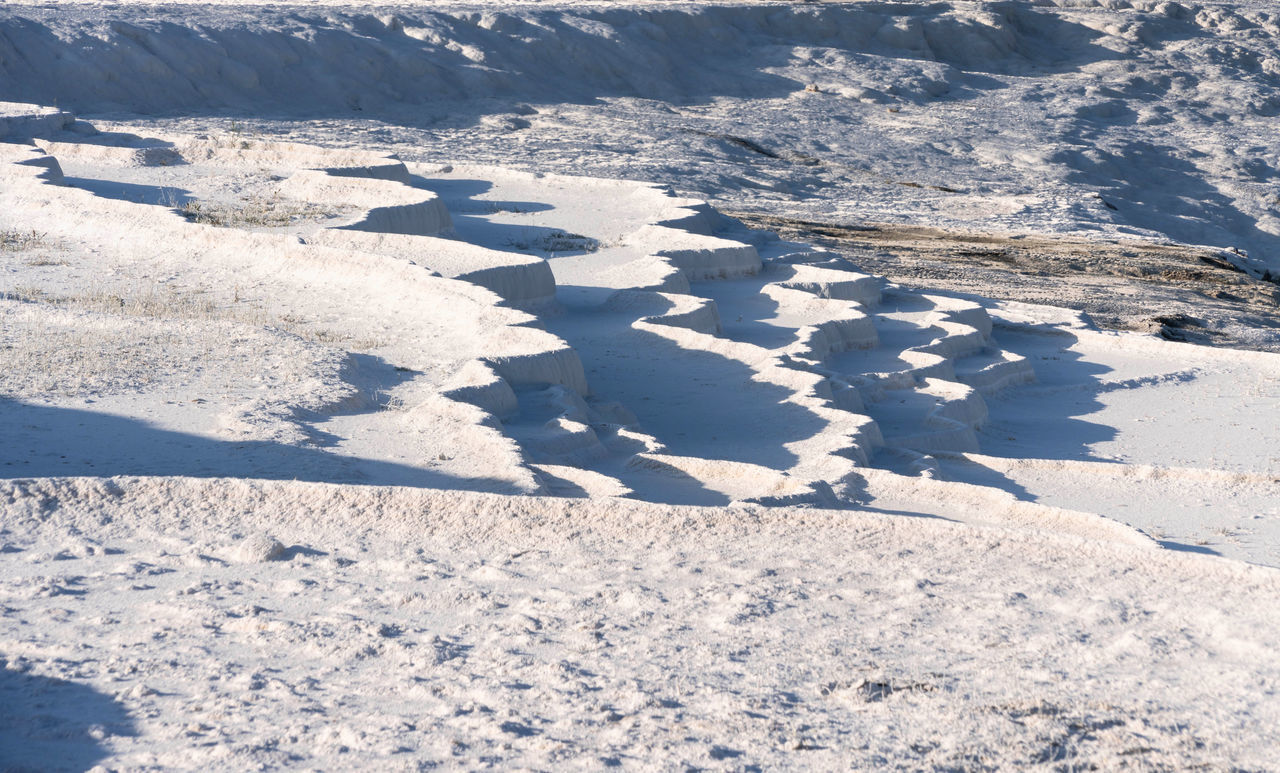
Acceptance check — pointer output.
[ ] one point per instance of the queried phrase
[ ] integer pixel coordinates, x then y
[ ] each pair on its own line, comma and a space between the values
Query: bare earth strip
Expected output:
1181, 292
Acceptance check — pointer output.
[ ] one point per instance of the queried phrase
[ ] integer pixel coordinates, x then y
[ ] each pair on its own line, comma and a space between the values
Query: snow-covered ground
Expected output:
388, 388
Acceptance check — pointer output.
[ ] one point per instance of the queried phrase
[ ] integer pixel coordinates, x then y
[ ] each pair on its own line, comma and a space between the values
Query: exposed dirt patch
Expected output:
1121, 285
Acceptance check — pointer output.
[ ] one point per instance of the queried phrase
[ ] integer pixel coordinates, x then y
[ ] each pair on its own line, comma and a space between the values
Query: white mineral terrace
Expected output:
404, 387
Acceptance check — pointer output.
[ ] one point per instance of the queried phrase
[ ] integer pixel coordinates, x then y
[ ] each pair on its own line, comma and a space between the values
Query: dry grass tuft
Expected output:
556, 241
46, 260
256, 212
153, 303
17, 240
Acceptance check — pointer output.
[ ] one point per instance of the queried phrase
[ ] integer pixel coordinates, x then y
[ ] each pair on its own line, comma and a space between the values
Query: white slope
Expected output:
671, 360
226, 624
298, 376
941, 385
1144, 118
119, 257
1169, 437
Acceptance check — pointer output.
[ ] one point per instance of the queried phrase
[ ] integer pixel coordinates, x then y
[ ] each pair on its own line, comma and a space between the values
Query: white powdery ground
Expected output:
404, 629
145, 624
1145, 119
413, 628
